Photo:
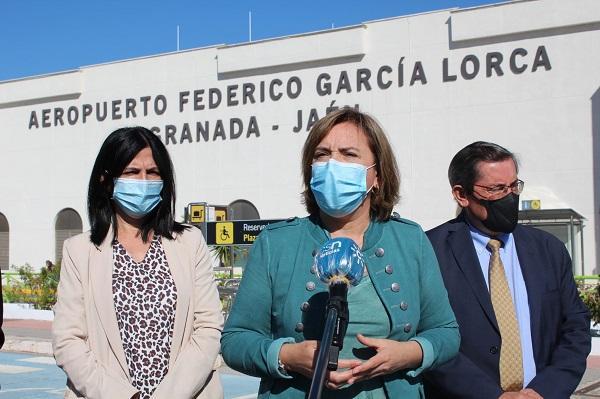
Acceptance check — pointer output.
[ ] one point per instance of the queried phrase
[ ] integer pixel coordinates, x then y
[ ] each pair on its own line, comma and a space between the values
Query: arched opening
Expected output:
242, 209
4, 242
68, 224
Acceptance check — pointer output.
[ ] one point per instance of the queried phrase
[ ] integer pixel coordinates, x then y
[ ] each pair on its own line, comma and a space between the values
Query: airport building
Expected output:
524, 74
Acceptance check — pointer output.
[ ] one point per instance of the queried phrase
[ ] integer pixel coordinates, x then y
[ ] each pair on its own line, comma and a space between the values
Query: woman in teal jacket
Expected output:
401, 322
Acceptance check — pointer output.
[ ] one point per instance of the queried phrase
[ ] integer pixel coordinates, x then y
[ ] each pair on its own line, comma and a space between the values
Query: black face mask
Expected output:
502, 214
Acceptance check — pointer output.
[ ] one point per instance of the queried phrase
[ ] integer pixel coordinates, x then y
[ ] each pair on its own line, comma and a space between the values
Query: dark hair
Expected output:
117, 151
386, 196
464, 170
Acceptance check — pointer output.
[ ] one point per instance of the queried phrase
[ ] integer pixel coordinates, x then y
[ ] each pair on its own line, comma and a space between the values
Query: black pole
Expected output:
332, 340
316, 386
338, 293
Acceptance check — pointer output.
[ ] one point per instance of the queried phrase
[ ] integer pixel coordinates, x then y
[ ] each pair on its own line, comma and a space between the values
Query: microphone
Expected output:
339, 260
340, 264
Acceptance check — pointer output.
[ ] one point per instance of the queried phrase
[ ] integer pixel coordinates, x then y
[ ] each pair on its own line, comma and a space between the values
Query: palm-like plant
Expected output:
223, 253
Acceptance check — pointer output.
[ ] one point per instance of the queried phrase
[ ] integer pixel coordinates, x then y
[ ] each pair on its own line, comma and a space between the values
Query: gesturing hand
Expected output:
300, 358
526, 393
391, 356
341, 377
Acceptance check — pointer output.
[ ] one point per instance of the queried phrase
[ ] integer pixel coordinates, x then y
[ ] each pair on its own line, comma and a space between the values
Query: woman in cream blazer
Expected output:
88, 333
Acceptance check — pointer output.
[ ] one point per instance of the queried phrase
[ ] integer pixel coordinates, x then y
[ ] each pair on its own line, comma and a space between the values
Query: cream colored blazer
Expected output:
86, 338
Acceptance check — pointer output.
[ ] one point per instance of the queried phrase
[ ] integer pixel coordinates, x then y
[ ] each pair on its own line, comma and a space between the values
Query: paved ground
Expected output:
34, 375
27, 328
28, 371
37, 377
29, 376
590, 384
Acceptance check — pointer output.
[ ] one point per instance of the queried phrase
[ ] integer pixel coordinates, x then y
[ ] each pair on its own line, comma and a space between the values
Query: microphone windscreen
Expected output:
339, 259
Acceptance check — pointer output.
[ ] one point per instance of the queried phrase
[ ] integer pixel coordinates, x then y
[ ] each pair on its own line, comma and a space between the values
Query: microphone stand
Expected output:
332, 341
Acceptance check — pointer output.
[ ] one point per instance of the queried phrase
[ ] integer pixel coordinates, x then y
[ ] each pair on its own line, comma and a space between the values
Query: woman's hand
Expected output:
341, 377
300, 358
391, 356
526, 393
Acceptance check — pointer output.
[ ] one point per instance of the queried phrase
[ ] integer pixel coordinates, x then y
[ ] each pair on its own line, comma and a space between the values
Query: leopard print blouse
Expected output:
145, 299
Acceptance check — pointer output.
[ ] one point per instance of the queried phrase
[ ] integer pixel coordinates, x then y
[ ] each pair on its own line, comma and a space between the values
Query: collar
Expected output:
481, 239
370, 238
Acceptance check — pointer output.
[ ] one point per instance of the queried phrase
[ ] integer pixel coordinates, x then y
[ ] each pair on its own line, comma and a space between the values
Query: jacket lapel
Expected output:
533, 272
101, 266
461, 244
183, 276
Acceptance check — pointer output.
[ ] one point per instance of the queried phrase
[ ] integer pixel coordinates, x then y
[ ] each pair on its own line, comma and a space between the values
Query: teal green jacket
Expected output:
280, 299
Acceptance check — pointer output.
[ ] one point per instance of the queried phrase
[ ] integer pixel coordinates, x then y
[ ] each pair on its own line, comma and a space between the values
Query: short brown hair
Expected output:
387, 195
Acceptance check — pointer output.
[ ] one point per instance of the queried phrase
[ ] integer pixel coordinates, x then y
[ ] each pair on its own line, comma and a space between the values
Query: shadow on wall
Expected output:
596, 159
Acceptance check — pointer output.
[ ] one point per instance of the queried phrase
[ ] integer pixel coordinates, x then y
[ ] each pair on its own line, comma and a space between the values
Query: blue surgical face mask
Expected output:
339, 187
136, 197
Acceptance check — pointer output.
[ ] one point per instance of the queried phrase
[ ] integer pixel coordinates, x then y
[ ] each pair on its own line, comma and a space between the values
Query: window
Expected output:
4, 243
564, 224
242, 209
68, 224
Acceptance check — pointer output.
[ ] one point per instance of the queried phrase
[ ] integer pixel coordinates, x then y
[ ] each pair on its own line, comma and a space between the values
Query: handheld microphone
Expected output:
339, 260
338, 263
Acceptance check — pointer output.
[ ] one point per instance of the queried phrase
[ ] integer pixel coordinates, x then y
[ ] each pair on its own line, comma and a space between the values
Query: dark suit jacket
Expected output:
560, 323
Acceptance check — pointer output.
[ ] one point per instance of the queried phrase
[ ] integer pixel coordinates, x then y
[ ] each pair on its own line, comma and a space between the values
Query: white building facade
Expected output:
523, 74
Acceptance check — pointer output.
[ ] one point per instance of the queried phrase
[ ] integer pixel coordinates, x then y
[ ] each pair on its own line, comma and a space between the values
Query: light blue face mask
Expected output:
137, 197
339, 187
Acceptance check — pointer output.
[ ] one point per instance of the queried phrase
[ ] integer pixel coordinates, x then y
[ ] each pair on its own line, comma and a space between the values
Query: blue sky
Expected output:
45, 36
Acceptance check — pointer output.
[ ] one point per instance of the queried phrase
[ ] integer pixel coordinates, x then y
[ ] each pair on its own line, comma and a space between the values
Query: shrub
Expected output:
13, 293
38, 289
590, 295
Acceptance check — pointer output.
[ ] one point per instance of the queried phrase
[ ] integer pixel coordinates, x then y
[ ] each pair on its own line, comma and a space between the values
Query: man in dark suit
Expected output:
524, 331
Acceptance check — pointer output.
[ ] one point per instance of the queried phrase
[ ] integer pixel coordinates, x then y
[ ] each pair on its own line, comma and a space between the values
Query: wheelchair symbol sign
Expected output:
224, 233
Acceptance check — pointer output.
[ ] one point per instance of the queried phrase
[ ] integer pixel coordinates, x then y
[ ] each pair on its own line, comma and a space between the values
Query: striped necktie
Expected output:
511, 357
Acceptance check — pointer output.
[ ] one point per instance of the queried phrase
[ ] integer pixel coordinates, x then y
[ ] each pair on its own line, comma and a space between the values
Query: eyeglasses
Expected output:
516, 187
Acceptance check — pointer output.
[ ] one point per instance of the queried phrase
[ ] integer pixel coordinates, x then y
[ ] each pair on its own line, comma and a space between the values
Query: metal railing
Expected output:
228, 288
9, 277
